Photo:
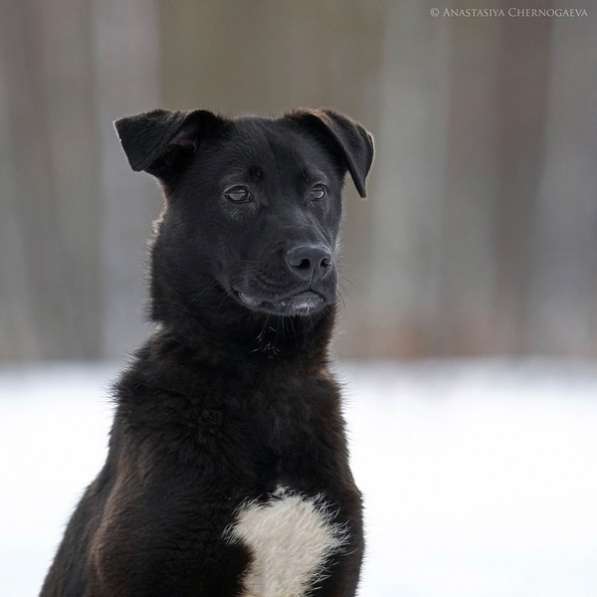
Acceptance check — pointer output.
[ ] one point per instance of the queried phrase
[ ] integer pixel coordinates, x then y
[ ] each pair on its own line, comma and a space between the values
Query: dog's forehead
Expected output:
274, 145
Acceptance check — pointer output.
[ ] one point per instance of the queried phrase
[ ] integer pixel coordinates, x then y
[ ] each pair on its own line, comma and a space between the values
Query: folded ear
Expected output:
353, 142
157, 141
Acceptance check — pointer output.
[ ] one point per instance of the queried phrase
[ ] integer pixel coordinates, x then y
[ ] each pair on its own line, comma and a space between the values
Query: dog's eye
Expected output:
238, 194
318, 192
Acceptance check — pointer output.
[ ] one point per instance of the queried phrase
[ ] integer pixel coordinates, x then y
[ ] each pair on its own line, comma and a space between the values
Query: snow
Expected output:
479, 478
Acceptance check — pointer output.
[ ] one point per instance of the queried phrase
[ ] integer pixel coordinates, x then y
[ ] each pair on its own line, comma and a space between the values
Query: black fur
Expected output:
232, 395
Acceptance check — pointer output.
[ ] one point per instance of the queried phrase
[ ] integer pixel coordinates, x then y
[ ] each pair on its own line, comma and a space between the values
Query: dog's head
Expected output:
253, 206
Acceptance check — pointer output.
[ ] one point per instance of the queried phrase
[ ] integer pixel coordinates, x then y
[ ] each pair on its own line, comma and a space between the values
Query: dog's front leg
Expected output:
344, 569
165, 539
166, 566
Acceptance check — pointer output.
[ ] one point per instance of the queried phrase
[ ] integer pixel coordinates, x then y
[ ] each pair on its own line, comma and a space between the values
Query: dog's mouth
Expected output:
301, 304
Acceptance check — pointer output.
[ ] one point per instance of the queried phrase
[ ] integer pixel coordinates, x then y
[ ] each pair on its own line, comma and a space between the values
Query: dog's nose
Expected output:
309, 262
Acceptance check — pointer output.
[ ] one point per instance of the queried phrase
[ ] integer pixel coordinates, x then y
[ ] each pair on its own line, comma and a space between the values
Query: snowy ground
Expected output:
480, 478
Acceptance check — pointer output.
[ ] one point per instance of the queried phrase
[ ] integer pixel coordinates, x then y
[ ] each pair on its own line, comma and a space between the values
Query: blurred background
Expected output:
478, 236
468, 329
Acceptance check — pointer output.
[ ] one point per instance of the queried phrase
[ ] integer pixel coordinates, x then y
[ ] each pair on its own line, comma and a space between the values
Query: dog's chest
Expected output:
291, 539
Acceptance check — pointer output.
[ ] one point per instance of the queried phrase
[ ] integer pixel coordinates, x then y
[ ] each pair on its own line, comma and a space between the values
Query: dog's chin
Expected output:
302, 304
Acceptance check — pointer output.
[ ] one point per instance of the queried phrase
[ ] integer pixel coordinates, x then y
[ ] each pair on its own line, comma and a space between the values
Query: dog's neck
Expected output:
302, 340
217, 332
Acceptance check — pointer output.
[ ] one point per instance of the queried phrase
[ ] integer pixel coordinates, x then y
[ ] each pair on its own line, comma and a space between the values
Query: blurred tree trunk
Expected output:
562, 304
49, 295
126, 51
466, 270
407, 229
525, 56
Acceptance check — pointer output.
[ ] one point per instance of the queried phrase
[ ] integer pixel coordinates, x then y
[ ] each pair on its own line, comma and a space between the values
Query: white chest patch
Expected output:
290, 538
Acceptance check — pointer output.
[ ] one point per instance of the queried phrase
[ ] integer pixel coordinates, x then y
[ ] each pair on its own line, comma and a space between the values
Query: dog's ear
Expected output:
351, 141
159, 141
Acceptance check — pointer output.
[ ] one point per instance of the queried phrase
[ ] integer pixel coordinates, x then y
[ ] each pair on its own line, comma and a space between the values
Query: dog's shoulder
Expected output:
187, 406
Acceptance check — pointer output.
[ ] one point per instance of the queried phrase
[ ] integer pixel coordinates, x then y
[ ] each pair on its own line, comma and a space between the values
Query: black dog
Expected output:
227, 473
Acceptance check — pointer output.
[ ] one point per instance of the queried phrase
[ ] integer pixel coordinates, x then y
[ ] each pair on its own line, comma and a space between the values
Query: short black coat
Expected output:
210, 414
